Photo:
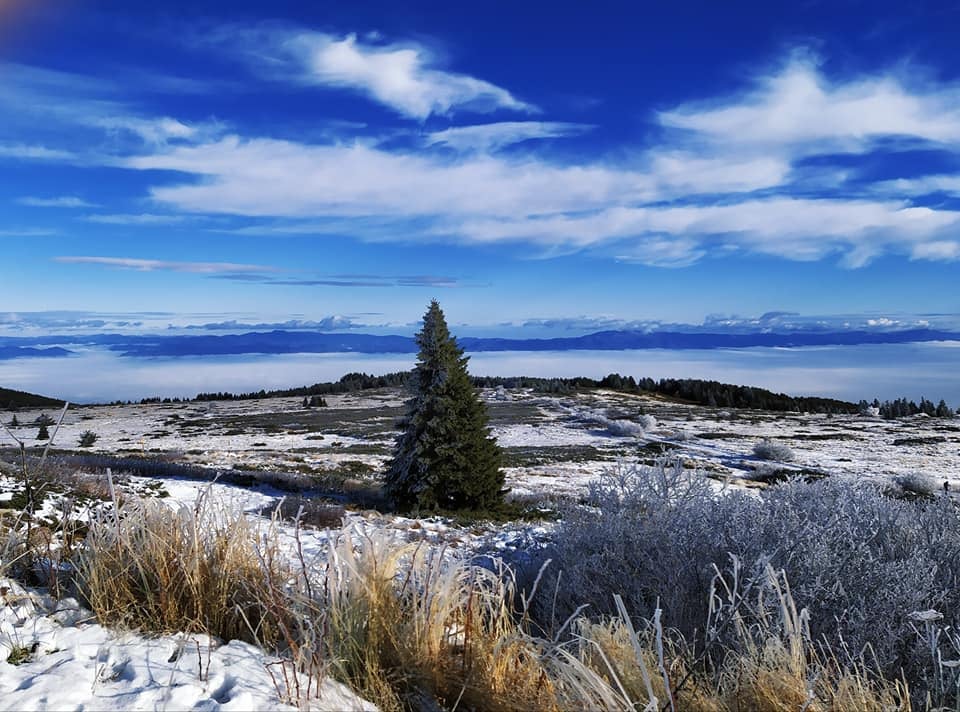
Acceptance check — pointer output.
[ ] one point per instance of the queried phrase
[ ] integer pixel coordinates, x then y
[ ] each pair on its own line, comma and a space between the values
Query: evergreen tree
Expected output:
43, 434
445, 457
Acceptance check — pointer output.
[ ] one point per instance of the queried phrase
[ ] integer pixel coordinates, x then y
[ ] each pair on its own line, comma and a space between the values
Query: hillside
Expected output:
11, 400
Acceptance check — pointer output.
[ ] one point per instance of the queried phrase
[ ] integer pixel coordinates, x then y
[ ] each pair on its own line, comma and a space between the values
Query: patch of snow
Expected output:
71, 663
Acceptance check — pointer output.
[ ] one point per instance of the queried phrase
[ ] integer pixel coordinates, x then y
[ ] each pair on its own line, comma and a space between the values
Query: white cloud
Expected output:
923, 185
489, 199
152, 130
404, 77
796, 229
333, 322
35, 152
491, 137
135, 219
143, 265
937, 250
26, 232
63, 201
684, 172
270, 178
94, 113
799, 109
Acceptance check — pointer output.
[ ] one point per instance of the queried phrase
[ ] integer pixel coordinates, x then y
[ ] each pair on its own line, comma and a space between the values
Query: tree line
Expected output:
692, 390
902, 408
349, 383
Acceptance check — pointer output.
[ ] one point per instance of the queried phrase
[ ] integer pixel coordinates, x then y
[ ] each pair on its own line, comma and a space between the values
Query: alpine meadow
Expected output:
512, 358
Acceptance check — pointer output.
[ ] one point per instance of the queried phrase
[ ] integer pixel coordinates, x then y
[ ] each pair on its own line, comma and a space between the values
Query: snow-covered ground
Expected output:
53, 657
554, 446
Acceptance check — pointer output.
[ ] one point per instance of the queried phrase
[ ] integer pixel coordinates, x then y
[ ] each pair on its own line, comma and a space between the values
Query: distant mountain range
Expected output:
10, 352
286, 342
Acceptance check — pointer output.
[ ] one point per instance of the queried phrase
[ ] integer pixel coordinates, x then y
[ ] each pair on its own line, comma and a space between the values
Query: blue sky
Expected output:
534, 167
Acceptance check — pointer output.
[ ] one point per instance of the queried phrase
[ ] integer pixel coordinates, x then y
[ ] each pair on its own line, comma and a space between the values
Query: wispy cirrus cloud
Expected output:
407, 76
923, 185
263, 274
63, 201
274, 178
370, 280
35, 152
95, 113
145, 265
135, 219
492, 137
27, 232
798, 229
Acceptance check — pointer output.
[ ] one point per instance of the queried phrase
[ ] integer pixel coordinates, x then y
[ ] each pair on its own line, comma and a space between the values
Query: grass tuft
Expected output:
203, 569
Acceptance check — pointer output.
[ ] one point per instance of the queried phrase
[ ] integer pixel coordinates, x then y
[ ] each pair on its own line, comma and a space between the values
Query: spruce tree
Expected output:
445, 457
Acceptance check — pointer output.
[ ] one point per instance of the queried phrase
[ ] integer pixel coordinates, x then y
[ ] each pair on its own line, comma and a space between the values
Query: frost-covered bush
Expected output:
917, 483
859, 561
768, 450
622, 427
615, 426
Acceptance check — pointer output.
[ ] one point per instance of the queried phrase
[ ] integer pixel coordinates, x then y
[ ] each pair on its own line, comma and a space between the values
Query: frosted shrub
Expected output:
623, 427
615, 543
769, 450
917, 483
859, 561
616, 426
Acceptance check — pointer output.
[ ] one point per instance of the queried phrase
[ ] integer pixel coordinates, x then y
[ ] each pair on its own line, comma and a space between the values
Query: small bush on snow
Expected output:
768, 450
616, 426
917, 483
623, 427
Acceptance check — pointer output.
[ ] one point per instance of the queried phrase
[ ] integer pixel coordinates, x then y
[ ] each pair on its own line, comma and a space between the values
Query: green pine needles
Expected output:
445, 458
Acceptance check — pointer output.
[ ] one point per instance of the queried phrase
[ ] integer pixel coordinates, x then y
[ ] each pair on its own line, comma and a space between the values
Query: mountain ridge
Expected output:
285, 342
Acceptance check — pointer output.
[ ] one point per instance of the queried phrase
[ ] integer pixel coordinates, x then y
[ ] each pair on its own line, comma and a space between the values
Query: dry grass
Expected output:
205, 569
14, 551
408, 629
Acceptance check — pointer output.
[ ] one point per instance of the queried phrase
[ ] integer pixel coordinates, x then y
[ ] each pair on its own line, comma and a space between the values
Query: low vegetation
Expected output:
769, 450
414, 627
200, 569
859, 563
